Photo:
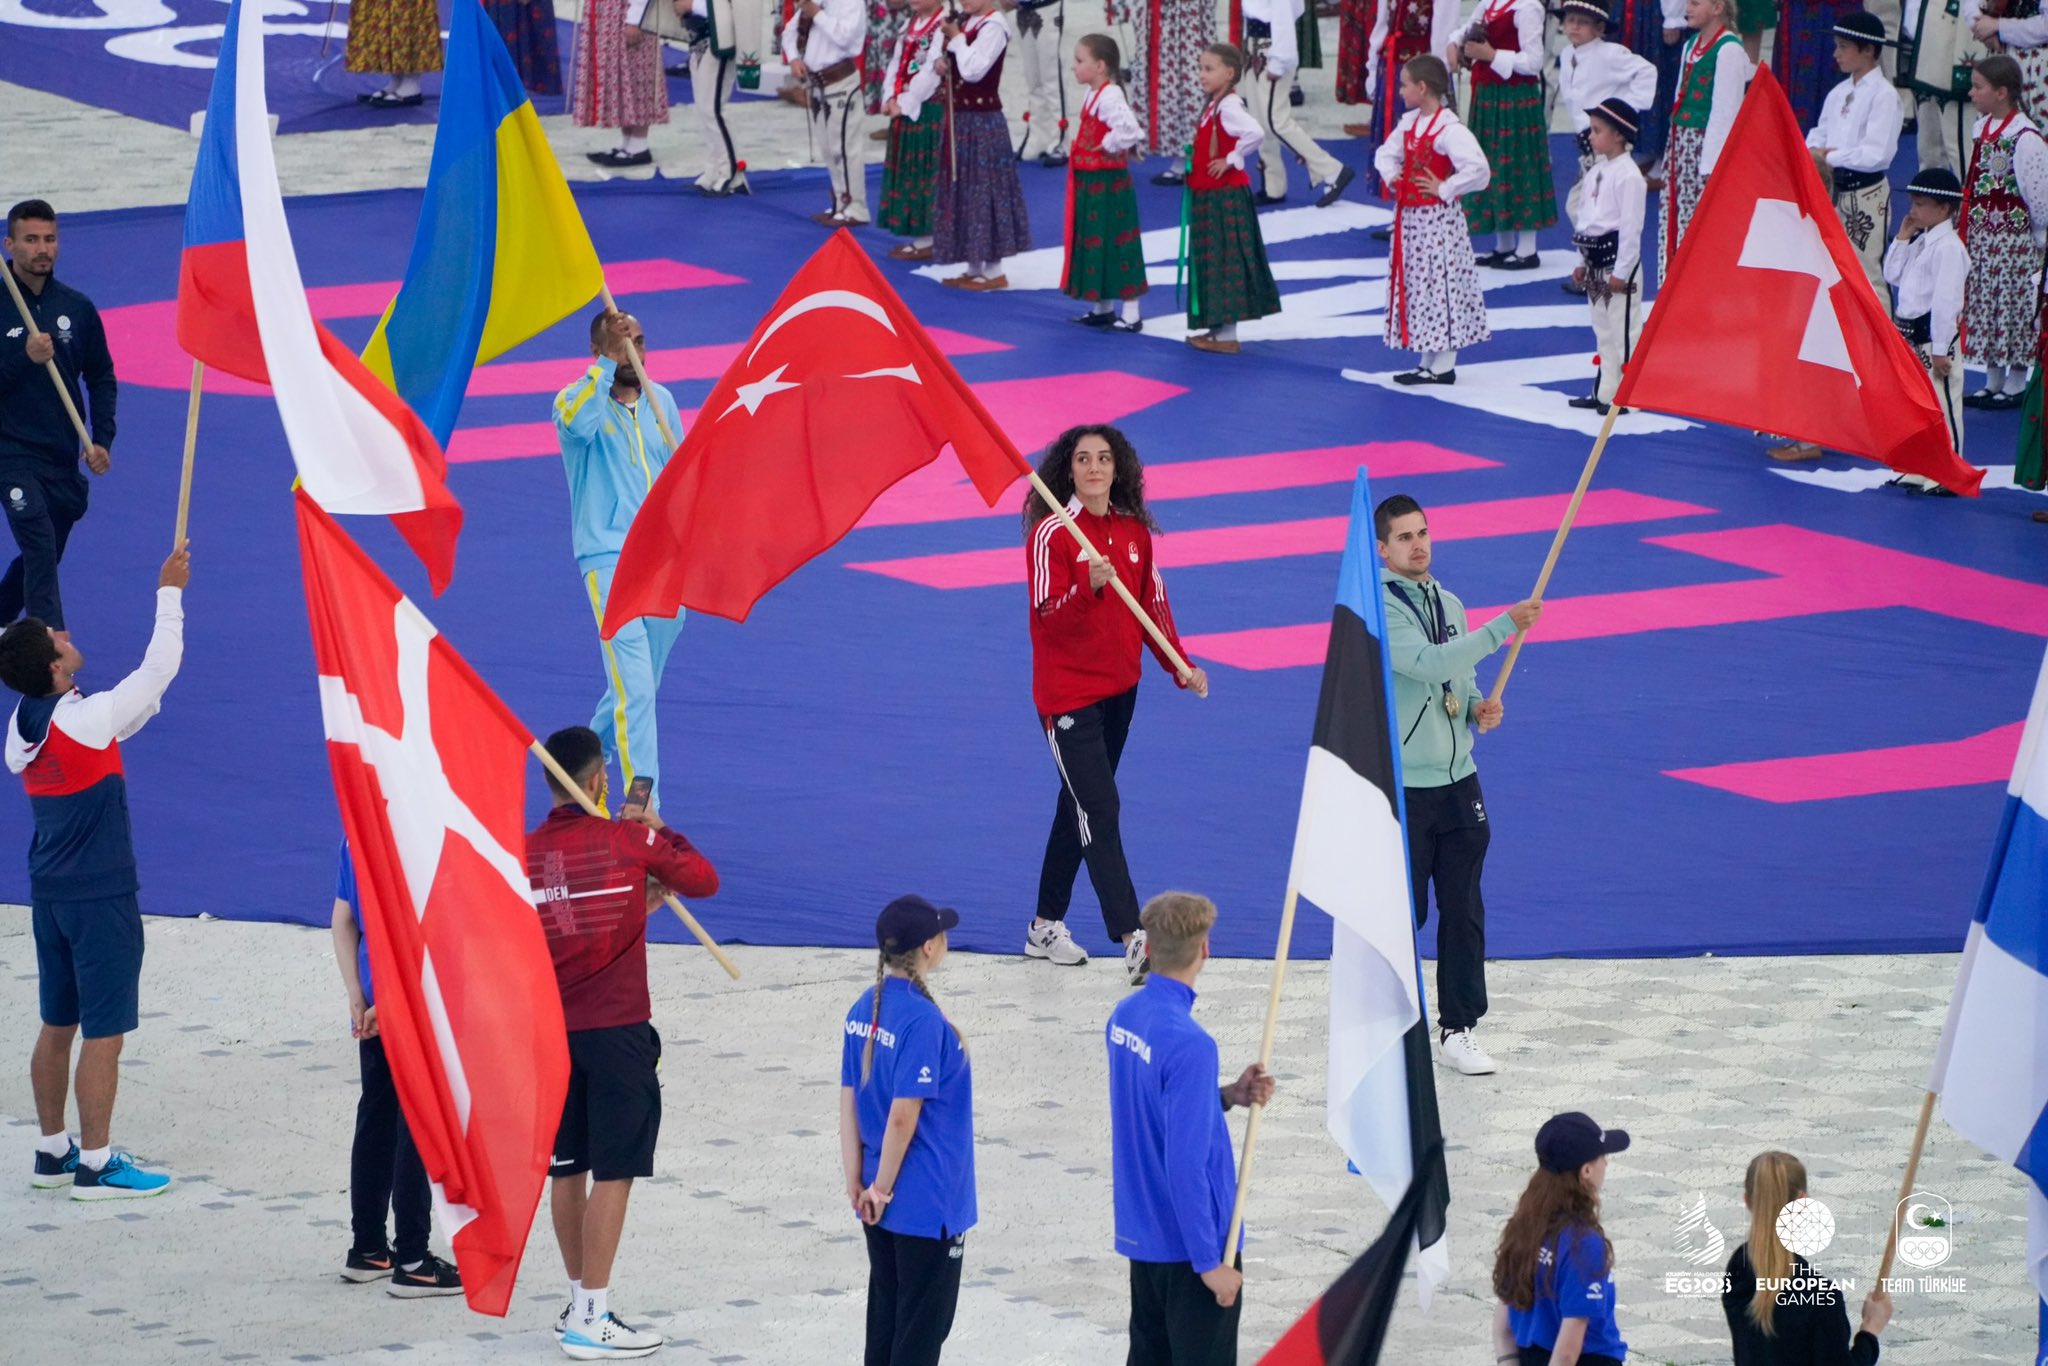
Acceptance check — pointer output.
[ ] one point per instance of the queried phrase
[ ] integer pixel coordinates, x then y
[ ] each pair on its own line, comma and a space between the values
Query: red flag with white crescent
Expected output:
430, 773
837, 395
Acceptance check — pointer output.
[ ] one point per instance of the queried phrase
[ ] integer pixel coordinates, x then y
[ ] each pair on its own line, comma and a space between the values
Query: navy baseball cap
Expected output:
909, 921
1569, 1141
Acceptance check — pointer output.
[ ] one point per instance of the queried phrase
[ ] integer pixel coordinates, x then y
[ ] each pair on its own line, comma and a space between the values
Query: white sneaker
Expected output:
562, 1319
1137, 961
1458, 1050
1054, 942
607, 1339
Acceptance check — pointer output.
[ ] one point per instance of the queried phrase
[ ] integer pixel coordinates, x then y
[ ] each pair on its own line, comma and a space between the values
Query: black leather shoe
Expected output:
1170, 177
1334, 191
1427, 377
1981, 399
1262, 199
1383, 233
1053, 159
1119, 325
617, 159
1093, 319
1529, 262
1999, 403
1588, 402
1492, 258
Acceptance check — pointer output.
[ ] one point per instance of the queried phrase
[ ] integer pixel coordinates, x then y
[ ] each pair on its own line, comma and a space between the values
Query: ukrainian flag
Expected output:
501, 253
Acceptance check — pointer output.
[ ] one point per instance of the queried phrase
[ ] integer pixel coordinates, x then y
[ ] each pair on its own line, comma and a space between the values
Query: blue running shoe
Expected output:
609, 1338
120, 1179
55, 1172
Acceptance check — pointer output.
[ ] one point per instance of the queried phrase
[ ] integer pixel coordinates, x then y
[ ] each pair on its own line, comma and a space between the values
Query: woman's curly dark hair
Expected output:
1126, 494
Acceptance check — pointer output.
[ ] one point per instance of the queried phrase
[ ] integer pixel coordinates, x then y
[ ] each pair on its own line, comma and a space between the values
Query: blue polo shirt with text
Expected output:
917, 1057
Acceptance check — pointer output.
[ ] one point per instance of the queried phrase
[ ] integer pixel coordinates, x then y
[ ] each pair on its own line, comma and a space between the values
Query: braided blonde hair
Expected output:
911, 966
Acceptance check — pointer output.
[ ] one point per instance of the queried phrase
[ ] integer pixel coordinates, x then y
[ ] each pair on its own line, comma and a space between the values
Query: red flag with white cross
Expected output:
1766, 320
430, 773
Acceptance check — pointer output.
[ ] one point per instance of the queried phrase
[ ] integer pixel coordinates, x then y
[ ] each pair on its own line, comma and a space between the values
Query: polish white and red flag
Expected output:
1766, 320
242, 308
430, 773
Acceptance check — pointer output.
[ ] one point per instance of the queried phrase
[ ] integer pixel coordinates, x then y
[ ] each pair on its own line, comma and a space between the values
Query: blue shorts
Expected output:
89, 960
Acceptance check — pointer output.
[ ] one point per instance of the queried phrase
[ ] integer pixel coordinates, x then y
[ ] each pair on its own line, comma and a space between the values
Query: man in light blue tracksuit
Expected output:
613, 449
1439, 711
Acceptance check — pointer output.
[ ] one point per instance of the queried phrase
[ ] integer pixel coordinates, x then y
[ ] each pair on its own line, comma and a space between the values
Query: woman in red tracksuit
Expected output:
1085, 660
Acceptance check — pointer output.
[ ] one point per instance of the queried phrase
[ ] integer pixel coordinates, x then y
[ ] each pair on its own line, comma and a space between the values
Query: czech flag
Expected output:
501, 253
242, 308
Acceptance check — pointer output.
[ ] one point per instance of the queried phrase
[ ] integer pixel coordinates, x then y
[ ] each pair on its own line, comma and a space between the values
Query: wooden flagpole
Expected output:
1564, 529
1159, 637
1891, 1239
646, 380
191, 445
1251, 1129
570, 785
50, 365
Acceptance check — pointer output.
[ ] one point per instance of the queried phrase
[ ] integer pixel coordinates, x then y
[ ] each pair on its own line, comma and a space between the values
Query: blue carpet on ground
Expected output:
1765, 714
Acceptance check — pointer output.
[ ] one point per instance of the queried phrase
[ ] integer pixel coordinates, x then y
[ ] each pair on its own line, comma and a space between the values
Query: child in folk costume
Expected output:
980, 217
1503, 47
1402, 29
1592, 70
1857, 138
722, 34
2019, 30
1434, 304
619, 82
823, 45
917, 130
1105, 253
1711, 79
1607, 228
2005, 215
1274, 54
1929, 265
1228, 278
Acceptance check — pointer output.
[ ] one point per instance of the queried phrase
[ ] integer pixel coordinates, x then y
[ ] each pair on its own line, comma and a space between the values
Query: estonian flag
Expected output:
1347, 1324
1992, 1067
1351, 861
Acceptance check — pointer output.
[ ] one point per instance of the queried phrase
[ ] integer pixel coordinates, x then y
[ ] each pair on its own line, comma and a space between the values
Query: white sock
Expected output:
2016, 380
1436, 362
1525, 243
1225, 332
96, 1158
1504, 241
1099, 308
630, 144
56, 1145
593, 1308
412, 1266
575, 1296
405, 87
1994, 378
920, 242
1129, 308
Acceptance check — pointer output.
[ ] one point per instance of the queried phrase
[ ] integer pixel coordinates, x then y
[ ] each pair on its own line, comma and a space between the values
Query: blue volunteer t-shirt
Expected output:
345, 890
917, 1057
1569, 1286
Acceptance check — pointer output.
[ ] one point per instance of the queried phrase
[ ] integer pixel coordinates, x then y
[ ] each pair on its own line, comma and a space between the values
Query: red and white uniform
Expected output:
1085, 642
1226, 129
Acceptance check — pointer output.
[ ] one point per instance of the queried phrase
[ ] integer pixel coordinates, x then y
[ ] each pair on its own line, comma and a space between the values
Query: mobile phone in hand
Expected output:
638, 793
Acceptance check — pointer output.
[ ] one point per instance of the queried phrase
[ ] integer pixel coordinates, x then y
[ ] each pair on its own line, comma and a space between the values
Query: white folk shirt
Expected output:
838, 31
1113, 107
1470, 171
1443, 31
1528, 30
1732, 71
1611, 199
2023, 33
922, 86
1239, 123
2029, 167
1929, 272
1860, 121
1599, 71
1283, 52
975, 51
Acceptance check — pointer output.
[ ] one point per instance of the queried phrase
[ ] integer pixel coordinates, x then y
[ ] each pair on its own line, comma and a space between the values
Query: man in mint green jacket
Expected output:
1439, 711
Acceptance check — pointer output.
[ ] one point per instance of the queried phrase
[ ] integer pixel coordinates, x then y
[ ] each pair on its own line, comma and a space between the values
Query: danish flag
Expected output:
1766, 319
430, 773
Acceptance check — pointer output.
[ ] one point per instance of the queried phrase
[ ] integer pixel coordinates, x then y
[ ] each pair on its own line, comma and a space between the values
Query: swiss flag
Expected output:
837, 395
1767, 321
430, 773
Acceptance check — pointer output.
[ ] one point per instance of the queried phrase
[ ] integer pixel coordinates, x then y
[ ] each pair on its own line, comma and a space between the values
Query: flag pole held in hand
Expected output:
1251, 1128
50, 365
611, 305
191, 447
1564, 529
574, 789
1116, 581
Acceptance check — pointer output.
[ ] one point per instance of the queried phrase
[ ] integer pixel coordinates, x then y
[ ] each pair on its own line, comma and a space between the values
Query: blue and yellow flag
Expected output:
501, 253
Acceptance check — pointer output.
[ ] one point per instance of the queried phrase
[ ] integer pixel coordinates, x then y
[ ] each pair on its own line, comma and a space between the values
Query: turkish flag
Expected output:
837, 395
1766, 319
430, 773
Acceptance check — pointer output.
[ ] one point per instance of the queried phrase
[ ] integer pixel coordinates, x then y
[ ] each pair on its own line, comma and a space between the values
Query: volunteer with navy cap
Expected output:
1554, 1270
1170, 1159
906, 1138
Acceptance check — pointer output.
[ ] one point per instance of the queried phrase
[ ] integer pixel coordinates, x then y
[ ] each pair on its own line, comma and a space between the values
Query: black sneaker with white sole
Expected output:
431, 1277
364, 1267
